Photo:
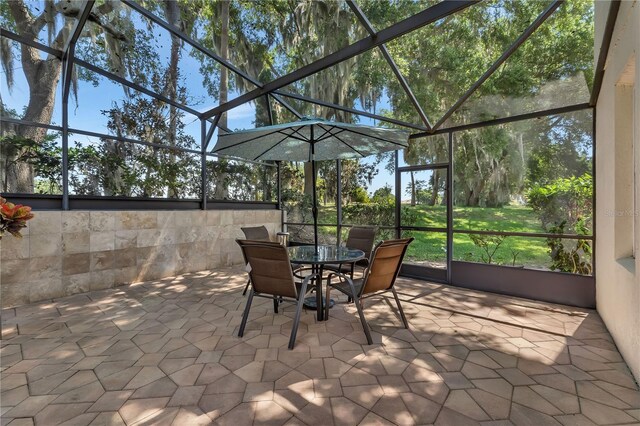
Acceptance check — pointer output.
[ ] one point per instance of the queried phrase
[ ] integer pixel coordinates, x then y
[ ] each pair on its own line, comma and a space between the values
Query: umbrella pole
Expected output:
314, 208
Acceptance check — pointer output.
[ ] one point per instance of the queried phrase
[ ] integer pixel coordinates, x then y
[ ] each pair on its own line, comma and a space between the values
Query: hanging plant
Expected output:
13, 217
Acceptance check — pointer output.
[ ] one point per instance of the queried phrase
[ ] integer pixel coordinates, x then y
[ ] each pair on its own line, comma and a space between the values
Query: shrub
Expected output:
570, 255
565, 200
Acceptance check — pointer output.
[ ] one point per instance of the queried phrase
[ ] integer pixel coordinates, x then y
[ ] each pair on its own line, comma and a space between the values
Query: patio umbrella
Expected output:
310, 140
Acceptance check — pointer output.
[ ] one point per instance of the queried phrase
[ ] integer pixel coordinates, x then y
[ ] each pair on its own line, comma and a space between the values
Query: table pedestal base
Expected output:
310, 302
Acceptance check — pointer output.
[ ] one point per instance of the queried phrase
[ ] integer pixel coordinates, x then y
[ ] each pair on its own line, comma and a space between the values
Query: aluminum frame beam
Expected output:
507, 53
614, 8
32, 43
208, 52
504, 120
350, 110
394, 67
135, 86
426, 17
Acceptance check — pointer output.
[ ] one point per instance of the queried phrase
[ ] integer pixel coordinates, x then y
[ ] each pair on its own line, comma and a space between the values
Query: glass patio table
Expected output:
324, 255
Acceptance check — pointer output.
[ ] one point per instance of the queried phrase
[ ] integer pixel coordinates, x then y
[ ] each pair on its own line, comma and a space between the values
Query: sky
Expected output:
86, 112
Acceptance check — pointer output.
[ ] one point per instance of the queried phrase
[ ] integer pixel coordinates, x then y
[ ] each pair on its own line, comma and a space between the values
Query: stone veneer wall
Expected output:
69, 252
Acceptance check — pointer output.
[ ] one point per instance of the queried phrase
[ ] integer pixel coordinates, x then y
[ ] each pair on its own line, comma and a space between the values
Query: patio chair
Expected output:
379, 278
255, 233
361, 238
272, 277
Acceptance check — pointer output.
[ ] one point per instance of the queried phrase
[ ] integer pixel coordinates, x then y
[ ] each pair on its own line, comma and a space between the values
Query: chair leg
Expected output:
404, 319
327, 302
246, 287
296, 319
245, 316
358, 304
276, 302
349, 298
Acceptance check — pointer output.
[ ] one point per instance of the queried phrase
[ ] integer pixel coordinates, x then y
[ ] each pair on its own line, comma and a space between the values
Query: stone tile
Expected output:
262, 391
268, 412
77, 263
13, 397
191, 416
528, 398
317, 411
45, 245
373, 419
75, 221
30, 406
87, 393
138, 410
366, 395
461, 401
422, 410
357, 377
456, 380
59, 413
393, 409
588, 390
187, 396
521, 415
326, 388
108, 418
187, 376
101, 241
15, 248
46, 222
498, 387
145, 376
100, 221
574, 420
346, 412
14, 271
215, 406
496, 407
603, 414
110, 401
516, 377
166, 352
160, 388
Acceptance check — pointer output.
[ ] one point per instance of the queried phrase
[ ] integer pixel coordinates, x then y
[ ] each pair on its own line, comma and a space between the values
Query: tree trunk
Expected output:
221, 191
42, 77
435, 184
413, 189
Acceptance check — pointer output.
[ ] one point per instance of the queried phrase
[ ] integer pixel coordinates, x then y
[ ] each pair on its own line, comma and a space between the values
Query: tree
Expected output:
41, 71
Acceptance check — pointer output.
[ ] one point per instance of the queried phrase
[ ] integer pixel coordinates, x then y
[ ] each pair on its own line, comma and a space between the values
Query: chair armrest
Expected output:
339, 275
300, 269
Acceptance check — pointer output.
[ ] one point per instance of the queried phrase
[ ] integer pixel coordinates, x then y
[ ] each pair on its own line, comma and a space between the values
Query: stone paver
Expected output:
167, 352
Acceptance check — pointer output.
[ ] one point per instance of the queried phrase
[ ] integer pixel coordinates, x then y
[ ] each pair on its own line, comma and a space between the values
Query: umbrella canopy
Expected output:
310, 140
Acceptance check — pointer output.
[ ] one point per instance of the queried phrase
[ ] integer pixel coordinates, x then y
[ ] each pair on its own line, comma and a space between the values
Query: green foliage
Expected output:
489, 244
359, 195
383, 195
44, 157
572, 256
566, 201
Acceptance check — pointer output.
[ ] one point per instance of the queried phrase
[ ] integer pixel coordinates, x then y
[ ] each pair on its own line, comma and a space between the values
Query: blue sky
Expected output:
86, 113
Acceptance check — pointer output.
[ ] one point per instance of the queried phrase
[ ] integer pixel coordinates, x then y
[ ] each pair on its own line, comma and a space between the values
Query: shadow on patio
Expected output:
166, 352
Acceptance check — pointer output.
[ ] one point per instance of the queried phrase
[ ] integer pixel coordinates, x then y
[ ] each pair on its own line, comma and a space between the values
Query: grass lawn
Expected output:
430, 247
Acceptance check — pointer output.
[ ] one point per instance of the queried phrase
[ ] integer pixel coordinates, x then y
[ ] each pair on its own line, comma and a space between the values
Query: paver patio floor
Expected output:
166, 352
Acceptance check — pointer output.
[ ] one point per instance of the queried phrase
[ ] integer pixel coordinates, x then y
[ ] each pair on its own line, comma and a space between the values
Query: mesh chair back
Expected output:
256, 233
361, 238
270, 268
385, 265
